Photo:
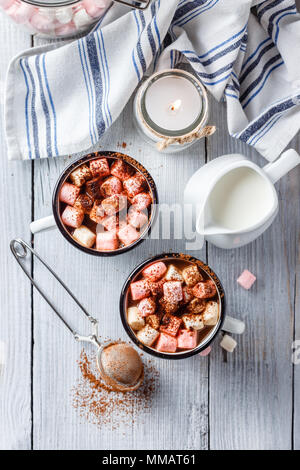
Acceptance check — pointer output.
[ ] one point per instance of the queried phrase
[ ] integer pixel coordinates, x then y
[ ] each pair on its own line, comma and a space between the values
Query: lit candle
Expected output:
171, 106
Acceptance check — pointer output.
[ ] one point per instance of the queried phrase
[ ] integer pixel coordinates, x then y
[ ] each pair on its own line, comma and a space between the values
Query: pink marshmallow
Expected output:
111, 186
100, 167
128, 235
72, 217
136, 219
93, 9
166, 343
205, 352
187, 339
142, 201
69, 193
42, 23
155, 271
21, 13
246, 279
140, 290
6, 3
107, 241
65, 29
173, 291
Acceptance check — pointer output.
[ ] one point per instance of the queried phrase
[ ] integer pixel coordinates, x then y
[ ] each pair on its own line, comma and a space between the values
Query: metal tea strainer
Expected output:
119, 363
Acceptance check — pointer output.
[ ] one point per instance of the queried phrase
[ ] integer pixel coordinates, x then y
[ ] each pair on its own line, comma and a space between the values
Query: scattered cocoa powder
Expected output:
97, 403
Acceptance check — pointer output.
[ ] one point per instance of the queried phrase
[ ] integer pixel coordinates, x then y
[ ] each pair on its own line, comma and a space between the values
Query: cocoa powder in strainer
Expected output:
101, 405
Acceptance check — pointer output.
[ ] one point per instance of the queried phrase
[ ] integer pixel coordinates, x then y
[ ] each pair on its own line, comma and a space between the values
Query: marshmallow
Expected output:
81, 175
191, 275
69, 193
111, 223
92, 188
82, 19
107, 241
205, 290
210, 315
155, 271
97, 213
196, 306
99, 167
147, 307
72, 217
21, 13
140, 290
111, 186
115, 203
246, 279
187, 339
173, 274
42, 23
64, 15
228, 343
84, 236
170, 324
192, 321
233, 325
147, 335
205, 352
168, 307
134, 318
173, 291
141, 201
92, 9
66, 29
166, 343
134, 185
153, 321
157, 287
128, 234
84, 203
121, 170
136, 219
6, 3
187, 294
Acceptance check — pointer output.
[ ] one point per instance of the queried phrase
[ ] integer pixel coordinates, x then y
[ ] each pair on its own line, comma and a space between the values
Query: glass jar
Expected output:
60, 18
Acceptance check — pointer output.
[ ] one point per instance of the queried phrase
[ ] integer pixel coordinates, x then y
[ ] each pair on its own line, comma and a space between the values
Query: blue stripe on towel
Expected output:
187, 8
33, 112
268, 7
138, 46
255, 52
195, 11
262, 85
257, 125
182, 23
26, 109
51, 103
260, 77
88, 92
273, 16
149, 32
45, 107
158, 36
98, 85
108, 77
253, 64
277, 23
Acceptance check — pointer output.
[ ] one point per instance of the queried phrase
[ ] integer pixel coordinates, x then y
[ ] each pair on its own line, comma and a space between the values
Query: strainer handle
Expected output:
19, 250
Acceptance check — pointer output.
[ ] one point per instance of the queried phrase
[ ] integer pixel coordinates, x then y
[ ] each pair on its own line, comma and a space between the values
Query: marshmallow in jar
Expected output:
55, 18
171, 110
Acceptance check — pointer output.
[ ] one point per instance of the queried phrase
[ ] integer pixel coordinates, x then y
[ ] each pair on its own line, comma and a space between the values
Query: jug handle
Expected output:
285, 163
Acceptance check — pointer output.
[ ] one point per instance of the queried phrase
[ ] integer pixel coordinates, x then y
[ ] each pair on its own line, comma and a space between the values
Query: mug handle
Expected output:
42, 224
233, 325
285, 163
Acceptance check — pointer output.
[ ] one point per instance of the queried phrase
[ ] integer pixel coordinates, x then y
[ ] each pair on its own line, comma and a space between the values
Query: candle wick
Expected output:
175, 106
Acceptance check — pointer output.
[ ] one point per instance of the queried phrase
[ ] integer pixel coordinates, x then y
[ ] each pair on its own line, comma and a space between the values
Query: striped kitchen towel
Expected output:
60, 101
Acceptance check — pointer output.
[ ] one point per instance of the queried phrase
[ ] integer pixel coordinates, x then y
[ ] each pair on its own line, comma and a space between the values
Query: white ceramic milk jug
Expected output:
235, 199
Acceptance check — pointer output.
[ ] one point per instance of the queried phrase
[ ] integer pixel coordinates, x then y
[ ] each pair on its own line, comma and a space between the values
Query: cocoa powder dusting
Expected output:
99, 404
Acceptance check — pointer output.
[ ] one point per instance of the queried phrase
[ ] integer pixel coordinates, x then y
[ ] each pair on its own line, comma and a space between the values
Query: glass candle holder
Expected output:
60, 18
171, 110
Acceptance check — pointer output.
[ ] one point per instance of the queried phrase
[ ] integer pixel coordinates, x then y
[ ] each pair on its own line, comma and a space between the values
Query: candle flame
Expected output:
175, 106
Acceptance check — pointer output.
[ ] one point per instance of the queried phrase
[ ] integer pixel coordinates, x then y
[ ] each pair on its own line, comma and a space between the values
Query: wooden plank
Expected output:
97, 283
15, 292
251, 391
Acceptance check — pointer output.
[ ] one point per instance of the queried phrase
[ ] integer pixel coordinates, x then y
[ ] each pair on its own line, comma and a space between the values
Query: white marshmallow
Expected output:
64, 15
84, 236
210, 315
147, 335
134, 318
173, 274
82, 19
193, 321
228, 343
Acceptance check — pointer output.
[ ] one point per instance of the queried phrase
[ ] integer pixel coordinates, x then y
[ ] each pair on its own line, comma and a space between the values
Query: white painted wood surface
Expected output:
245, 400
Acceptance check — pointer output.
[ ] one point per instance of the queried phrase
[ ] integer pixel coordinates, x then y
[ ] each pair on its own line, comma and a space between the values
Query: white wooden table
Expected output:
247, 400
